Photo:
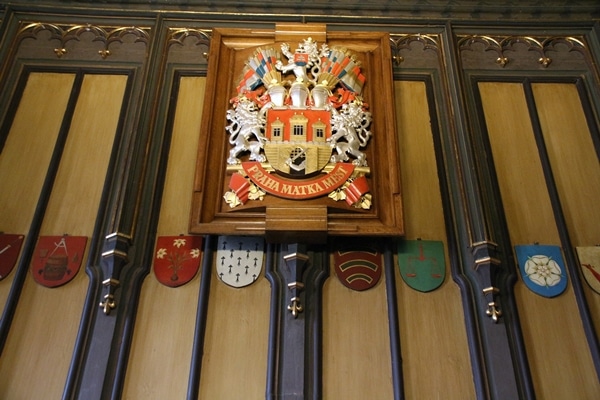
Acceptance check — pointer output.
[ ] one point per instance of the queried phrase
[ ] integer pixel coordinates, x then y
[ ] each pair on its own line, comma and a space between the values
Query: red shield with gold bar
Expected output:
10, 246
57, 259
177, 259
358, 266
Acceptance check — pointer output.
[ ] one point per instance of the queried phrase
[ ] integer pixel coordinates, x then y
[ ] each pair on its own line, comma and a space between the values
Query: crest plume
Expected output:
260, 69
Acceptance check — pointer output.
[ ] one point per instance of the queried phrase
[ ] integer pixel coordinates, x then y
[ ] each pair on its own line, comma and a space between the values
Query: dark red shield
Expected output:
10, 246
177, 259
358, 266
57, 259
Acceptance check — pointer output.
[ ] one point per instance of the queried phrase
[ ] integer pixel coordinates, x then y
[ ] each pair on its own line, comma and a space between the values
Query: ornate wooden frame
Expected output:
280, 219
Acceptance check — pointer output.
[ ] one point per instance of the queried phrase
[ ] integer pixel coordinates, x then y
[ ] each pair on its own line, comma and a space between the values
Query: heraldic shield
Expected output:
57, 259
239, 260
589, 261
10, 247
542, 269
421, 264
177, 259
358, 266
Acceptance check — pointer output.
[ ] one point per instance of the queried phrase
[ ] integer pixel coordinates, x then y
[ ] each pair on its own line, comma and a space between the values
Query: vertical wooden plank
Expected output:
562, 354
234, 361
433, 335
162, 342
356, 345
27, 152
236, 343
573, 158
575, 168
38, 349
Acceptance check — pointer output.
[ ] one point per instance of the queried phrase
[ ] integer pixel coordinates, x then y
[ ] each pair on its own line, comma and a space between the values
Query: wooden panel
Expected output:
36, 358
432, 330
236, 344
521, 179
573, 158
22, 179
562, 354
575, 168
356, 344
164, 330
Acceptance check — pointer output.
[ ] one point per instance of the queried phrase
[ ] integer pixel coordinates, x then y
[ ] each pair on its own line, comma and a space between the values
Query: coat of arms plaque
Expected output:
298, 136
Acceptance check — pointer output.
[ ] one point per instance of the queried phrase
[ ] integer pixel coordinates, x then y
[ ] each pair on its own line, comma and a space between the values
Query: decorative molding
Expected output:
177, 36
493, 310
66, 33
296, 263
502, 44
376, 10
114, 258
399, 42
295, 335
485, 264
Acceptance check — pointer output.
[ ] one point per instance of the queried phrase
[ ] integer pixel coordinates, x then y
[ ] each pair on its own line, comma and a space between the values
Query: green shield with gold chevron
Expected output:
421, 264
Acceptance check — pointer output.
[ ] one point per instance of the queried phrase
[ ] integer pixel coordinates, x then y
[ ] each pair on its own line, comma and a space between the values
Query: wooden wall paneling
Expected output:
355, 328
530, 219
236, 342
50, 316
575, 166
21, 181
433, 337
495, 342
573, 158
165, 320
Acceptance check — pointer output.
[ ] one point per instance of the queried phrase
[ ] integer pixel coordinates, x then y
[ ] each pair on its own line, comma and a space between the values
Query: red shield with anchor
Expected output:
57, 259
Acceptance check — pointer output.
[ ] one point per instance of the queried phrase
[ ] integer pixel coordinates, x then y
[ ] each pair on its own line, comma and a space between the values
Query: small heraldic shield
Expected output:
589, 260
358, 266
10, 246
421, 264
177, 259
57, 259
239, 259
542, 269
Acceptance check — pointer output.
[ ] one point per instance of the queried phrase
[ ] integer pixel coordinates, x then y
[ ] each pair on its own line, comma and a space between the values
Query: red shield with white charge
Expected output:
57, 259
589, 261
177, 259
10, 247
